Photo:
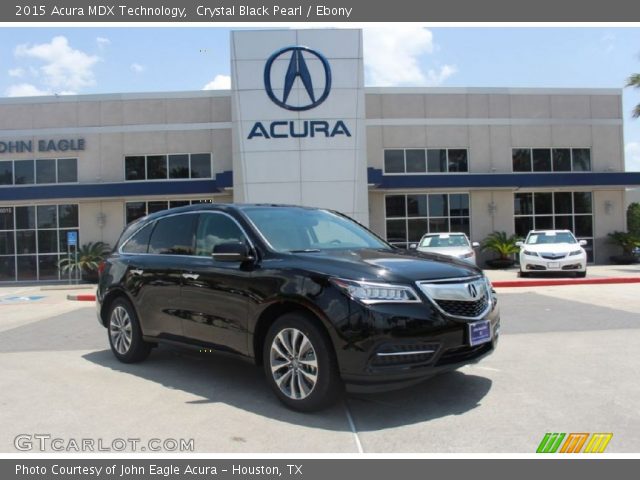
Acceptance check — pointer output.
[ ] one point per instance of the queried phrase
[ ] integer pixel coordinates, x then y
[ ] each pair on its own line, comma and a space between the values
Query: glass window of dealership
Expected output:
467, 160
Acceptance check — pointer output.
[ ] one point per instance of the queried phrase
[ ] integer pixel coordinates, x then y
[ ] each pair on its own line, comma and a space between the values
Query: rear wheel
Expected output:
125, 336
300, 364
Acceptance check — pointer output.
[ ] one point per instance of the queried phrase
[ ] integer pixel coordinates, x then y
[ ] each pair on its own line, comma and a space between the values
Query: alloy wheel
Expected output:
120, 330
294, 364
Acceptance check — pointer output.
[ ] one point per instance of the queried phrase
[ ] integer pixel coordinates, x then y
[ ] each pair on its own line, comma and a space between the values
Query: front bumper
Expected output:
416, 342
575, 263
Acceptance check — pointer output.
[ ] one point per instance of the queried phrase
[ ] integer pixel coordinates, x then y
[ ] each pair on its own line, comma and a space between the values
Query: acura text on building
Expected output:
298, 70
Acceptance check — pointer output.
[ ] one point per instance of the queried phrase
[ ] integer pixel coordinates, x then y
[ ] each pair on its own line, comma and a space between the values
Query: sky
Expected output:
44, 61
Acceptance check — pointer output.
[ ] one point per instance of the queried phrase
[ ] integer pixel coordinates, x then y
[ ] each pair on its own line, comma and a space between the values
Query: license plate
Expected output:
479, 332
553, 265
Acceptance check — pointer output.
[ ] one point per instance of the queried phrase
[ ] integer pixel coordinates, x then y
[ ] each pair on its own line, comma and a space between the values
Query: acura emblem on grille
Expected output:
473, 291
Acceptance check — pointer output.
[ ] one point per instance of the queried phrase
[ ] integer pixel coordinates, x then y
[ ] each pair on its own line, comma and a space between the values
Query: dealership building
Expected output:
299, 127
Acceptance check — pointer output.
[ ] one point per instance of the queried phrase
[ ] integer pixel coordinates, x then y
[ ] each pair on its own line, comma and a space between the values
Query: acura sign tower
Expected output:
299, 119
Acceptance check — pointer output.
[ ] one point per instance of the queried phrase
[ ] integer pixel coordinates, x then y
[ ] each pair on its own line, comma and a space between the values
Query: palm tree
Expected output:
634, 81
502, 244
88, 259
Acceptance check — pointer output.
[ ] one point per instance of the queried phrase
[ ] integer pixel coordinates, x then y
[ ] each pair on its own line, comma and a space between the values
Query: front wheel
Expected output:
125, 336
300, 364
581, 274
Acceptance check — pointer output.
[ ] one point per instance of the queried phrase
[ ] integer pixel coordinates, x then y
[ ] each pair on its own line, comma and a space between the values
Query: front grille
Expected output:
462, 308
461, 354
553, 256
404, 354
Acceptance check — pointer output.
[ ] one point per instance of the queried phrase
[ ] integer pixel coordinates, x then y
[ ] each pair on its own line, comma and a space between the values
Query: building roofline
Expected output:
494, 90
368, 90
115, 96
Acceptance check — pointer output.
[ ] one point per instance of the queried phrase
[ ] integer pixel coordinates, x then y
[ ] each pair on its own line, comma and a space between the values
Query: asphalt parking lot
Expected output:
568, 361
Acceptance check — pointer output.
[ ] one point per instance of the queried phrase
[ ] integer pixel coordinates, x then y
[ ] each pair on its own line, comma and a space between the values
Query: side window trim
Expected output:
197, 212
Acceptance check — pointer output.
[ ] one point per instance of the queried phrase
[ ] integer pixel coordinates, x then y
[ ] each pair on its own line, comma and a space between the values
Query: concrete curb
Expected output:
550, 282
83, 297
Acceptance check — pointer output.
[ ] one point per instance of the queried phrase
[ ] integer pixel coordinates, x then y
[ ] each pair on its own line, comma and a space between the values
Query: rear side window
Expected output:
139, 242
173, 235
214, 229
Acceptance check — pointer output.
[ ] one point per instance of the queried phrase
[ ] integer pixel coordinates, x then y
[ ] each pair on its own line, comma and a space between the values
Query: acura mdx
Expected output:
314, 297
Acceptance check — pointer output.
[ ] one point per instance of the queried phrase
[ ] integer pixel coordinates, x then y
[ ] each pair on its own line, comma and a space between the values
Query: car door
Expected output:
215, 294
159, 275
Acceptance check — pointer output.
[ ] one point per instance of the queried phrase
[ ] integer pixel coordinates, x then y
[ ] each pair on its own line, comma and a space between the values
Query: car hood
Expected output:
401, 266
552, 247
452, 251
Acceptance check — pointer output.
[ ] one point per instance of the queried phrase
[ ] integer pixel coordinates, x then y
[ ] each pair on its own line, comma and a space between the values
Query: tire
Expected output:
125, 336
299, 363
581, 274
522, 274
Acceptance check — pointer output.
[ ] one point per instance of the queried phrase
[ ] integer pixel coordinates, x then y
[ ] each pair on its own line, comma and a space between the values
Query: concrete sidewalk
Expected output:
595, 274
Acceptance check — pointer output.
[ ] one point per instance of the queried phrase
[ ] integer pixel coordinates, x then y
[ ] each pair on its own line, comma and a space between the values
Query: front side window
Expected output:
215, 229
173, 235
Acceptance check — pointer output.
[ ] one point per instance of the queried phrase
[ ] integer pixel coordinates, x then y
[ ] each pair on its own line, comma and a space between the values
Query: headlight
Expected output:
368, 293
531, 254
466, 255
575, 252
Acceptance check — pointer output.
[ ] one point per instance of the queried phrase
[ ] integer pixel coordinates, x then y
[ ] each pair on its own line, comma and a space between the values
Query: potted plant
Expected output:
87, 261
504, 246
629, 243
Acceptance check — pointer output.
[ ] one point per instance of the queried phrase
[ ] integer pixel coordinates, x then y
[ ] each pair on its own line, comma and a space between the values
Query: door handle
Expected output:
136, 271
190, 276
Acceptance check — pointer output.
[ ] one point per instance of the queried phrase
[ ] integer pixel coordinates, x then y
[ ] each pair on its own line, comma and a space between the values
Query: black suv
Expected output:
310, 294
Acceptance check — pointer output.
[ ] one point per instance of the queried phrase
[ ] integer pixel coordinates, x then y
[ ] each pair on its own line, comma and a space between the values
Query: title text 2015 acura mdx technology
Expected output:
313, 296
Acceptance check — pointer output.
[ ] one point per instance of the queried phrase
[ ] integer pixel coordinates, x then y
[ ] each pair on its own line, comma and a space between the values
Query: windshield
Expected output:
303, 230
443, 241
544, 238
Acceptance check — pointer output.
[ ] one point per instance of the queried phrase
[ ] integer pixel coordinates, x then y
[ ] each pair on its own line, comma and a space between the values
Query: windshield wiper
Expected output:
305, 250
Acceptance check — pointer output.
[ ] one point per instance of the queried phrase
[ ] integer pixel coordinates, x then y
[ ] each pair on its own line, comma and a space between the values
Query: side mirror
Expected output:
582, 243
475, 244
231, 252
413, 246
519, 244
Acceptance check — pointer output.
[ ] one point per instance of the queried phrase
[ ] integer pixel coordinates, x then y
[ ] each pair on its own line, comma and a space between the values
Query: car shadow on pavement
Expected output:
220, 378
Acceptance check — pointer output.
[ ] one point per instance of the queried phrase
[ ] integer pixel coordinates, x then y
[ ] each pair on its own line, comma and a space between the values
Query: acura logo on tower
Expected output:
297, 69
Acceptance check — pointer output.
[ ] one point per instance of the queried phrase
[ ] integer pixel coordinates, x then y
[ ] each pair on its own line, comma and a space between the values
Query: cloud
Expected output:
16, 72
392, 56
220, 82
102, 42
437, 77
25, 90
632, 156
137, 68
608, 40
65, 68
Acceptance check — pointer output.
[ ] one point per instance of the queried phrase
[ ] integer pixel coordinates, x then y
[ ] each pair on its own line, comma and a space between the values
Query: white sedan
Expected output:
451, 244
546, 251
